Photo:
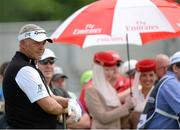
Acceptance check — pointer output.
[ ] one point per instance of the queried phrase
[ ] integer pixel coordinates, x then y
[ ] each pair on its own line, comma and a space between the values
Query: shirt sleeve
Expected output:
31, 84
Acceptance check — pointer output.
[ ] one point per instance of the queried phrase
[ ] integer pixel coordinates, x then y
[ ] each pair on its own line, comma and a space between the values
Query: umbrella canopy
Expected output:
108, 22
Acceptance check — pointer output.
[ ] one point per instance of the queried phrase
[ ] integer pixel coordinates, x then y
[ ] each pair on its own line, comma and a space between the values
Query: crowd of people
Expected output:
115, 94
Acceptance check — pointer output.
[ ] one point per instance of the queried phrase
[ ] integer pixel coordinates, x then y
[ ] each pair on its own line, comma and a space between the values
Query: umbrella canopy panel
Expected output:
108, 22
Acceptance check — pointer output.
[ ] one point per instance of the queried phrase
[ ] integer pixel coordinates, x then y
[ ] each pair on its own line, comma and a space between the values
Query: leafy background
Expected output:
38, 10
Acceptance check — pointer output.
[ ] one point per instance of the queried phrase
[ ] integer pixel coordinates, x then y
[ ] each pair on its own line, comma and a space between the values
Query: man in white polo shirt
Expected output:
29, 103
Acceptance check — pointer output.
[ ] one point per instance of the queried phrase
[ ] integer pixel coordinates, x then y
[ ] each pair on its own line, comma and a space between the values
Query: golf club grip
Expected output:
64, 121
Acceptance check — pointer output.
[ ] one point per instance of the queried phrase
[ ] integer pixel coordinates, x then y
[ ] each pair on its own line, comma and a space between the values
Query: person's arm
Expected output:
32, 85
50, 105
99, 112
61, 100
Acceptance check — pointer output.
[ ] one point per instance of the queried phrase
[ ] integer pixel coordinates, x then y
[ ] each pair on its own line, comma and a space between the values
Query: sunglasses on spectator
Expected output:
119, 63
46, 61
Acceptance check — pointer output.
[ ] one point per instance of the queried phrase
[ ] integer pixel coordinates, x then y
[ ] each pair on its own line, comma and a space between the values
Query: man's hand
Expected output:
61, 100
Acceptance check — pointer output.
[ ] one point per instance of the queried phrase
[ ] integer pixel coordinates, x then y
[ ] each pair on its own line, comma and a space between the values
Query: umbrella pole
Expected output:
128, 57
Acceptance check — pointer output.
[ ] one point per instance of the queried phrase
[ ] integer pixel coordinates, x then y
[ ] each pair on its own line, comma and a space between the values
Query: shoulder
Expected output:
172, 85
28, 72
173, 82
28, 69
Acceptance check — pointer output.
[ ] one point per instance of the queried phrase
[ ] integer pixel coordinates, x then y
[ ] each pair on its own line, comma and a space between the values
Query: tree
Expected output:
38, 10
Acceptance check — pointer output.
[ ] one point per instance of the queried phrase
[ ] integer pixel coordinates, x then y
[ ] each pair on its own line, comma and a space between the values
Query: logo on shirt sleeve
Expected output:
40, 88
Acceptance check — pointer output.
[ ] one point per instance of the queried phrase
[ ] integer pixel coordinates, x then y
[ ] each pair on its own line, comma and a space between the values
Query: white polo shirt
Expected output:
31, 84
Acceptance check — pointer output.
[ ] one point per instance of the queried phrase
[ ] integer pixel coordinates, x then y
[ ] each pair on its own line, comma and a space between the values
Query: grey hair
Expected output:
29, 27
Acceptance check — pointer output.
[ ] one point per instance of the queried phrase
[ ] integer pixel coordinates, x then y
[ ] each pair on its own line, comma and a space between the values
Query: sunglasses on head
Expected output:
45, 62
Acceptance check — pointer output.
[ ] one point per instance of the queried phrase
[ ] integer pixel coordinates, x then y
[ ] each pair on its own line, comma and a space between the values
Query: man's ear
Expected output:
21, 44
175, 68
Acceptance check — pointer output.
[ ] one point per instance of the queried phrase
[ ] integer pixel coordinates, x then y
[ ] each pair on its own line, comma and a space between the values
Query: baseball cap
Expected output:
47, 54
33, 32
58, 73
175, 58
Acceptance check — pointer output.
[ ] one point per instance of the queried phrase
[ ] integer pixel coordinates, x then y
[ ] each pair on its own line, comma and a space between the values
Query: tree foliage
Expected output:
38, 10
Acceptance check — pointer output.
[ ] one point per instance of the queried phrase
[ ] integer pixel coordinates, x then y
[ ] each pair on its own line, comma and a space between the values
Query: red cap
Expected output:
115, 55
146, 65
105, 59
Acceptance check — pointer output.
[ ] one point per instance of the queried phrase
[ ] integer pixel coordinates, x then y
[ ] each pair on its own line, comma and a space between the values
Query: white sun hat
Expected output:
33, 32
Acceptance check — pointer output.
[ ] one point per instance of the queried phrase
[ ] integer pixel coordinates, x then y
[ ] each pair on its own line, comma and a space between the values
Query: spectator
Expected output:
59, 82
162, 110
29, 103
2, 71
3, 122
86, 78
128, 68
102, 100
162, 63
129, 73
119, 82
145, 78
47, 66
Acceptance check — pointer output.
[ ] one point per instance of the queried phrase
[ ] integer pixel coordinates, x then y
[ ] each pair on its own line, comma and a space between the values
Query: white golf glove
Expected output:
74, 110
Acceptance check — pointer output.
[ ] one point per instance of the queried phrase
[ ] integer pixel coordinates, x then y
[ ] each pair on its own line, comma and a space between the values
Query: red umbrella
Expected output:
108, 22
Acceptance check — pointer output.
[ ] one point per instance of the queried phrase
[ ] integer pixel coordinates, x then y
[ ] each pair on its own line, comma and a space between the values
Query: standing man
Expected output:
162, 63
164, 100
29, 103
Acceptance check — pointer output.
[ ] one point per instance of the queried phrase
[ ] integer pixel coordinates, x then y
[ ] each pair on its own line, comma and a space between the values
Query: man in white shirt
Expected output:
29, 103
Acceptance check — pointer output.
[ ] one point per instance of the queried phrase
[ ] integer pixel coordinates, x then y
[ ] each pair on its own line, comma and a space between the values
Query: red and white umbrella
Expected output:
108, 22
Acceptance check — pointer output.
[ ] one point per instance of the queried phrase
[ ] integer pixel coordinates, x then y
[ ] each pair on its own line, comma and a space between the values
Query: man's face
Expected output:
47, 67
176, 70
161, 68
33, 49
60, 83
